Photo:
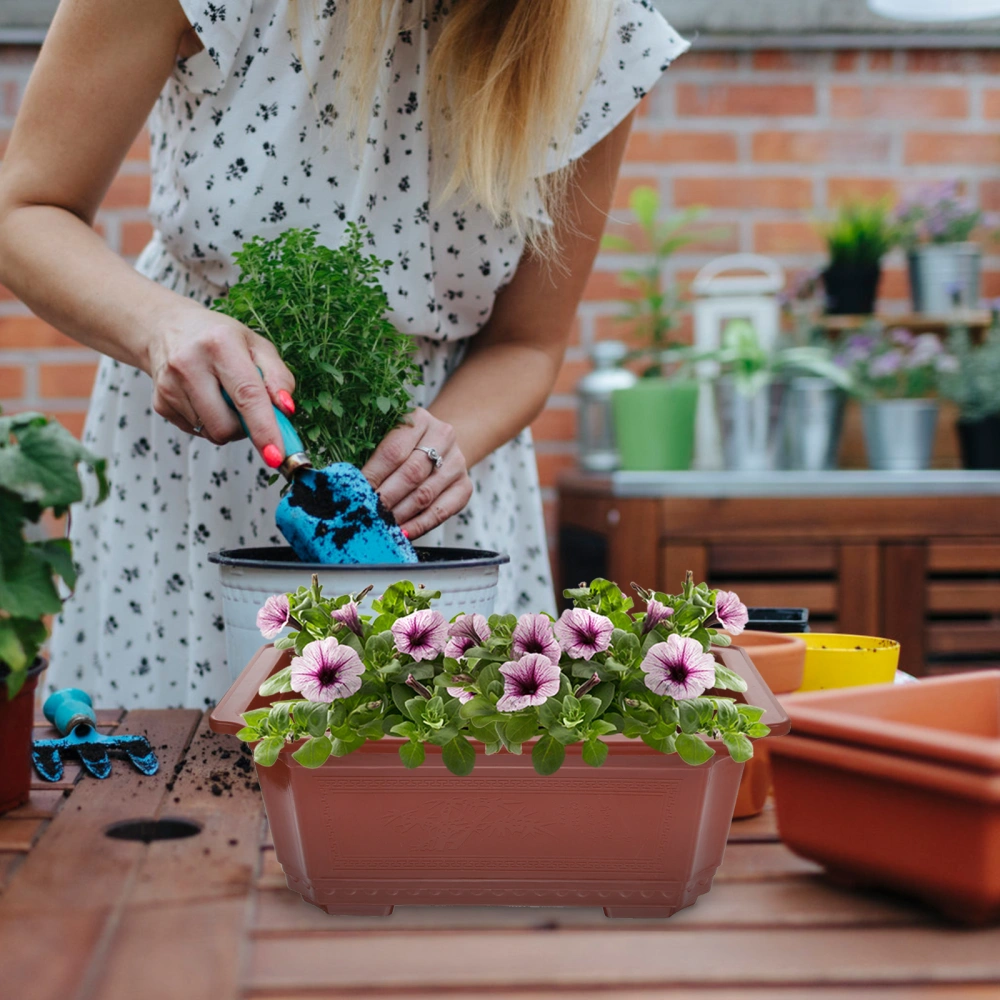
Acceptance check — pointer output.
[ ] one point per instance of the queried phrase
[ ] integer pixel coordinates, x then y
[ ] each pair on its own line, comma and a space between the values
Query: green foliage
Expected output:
975, 384
326, 313
38, 472
861, 234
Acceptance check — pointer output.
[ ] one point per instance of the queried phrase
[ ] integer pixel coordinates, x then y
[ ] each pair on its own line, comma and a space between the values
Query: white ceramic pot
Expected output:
467, 579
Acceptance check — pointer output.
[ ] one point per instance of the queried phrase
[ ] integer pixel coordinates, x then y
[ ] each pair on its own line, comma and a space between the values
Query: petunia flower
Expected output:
582, 633
531, 680
273, 616
465, 632
679, 667
533, 634
326, 670
656, 612
350, 616
461, 694
422, 635
731, 612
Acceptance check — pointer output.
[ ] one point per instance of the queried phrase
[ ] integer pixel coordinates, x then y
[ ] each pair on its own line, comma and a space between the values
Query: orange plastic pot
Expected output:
899, 786
641, 837
16, 719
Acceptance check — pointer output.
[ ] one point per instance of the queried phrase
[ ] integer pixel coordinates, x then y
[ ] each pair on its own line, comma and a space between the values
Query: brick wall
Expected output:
767, 141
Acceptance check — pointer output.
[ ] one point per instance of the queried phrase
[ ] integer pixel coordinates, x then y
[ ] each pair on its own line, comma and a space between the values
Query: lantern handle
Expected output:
770, 280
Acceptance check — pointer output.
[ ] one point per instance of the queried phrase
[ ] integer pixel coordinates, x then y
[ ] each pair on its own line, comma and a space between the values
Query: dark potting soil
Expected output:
337, 518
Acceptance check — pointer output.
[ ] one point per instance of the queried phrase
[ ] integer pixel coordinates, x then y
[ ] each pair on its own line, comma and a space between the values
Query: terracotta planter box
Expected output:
899, 786
640, 837
16, 719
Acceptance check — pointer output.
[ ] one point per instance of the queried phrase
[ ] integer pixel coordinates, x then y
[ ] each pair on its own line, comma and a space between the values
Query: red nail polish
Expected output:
287, 403
272, 455
406, 534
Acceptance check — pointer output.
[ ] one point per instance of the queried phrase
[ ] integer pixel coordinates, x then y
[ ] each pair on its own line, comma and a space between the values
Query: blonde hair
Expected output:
505, 84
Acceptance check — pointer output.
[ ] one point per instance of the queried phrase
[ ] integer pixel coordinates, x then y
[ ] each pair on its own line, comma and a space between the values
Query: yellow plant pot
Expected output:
840, 661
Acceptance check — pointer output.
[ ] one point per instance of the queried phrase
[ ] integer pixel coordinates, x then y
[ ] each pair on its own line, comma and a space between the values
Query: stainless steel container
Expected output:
945, 277
899, 433
596, 429
750, 425
813, 418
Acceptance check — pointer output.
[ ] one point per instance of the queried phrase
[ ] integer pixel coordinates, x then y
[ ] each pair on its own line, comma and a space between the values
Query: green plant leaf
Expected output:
315, 752
248, 734
412, 754
277, 683
595, 752
728, 680
739, 746
459, 756
548, 755
645, 203
478, 706
664, 744
266, 752
522, 728
693, 749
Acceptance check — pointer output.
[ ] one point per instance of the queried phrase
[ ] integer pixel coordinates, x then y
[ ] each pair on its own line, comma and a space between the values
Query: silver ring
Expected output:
198, 429
432, 453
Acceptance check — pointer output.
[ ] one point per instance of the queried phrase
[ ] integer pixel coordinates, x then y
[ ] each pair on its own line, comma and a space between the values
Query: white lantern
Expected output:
936, 10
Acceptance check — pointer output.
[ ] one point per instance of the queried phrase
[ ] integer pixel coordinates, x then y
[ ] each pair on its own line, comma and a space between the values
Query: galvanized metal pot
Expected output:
750, 424
945, 276
899, 433
595, 419
813, 419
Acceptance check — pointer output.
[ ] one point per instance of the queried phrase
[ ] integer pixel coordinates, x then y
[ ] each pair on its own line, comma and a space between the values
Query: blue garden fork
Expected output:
72, 713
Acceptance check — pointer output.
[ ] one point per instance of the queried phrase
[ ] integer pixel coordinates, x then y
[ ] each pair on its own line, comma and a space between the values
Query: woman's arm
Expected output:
98, 75
505, 379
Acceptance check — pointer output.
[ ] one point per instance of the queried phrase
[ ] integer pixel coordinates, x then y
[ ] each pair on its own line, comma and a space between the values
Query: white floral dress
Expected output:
242, 145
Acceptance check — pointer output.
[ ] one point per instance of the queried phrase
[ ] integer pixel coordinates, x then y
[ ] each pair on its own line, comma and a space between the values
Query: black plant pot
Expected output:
778, 619
980, 442
851, 289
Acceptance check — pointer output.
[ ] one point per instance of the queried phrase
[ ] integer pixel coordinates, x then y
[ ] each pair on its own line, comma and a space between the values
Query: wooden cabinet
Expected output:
917, 560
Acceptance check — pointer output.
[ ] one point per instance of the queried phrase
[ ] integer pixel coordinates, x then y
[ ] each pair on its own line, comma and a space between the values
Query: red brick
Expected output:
611, 328
66, 381
29, 331
989, 195
845, 62
787, 237
953, 61
681, 147
744, 192
991, 104
707, 60
555, 425
741, 99
642, 110
768, 60
881, 60
11, 382
128, 191
626, 185
73, 421
991, 284
821, 147
605, 286
134, 237
961, 149
899, 102
568, 377
550, 466
895, 284
633, 232
844, 189
140, 147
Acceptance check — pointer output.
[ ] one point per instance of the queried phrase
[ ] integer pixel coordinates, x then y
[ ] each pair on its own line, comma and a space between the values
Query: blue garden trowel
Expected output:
72, 713
332, 516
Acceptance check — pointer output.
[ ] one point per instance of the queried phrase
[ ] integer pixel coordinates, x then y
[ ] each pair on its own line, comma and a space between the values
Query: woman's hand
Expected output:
198, 353
419, 495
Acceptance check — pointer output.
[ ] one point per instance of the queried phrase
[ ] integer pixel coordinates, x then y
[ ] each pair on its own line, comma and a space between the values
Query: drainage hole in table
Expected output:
148, 830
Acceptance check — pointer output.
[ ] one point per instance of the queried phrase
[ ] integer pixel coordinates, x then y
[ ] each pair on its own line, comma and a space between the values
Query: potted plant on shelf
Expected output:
325, 311
657, 699
896, 376
653, 419
38, 474
936, 229
974, 386
857, 240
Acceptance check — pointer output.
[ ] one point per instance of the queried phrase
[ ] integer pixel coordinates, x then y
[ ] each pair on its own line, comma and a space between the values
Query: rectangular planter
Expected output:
899, 786
641, 836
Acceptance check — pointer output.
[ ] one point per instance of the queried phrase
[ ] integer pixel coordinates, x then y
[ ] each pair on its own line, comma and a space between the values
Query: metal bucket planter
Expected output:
641, 836
750, 424
813, 419
467, 579
945, 276
899, 433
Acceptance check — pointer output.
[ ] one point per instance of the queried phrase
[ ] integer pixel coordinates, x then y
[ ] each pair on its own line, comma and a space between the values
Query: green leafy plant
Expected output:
974, 384
511, 684
38, 473
861, 234
325, 311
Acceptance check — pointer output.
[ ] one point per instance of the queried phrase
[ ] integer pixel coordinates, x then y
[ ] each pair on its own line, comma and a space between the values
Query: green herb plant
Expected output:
861, 234
974, 384
326, 312
38, 473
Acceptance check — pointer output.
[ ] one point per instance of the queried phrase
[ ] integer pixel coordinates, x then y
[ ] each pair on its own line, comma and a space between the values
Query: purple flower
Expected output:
731, 612
273, 616
326, 670
350, 616
421, 635
679, 667
582, 633
886, 365
656, 612
533, 634
531, 680
902, 338
466, 631
461, 694
925, 349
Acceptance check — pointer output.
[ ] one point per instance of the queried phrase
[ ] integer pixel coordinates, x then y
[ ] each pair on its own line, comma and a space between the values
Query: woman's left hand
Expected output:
420, 494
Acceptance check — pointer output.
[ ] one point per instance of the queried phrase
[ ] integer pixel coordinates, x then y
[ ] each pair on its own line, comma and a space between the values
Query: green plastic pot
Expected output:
654, 424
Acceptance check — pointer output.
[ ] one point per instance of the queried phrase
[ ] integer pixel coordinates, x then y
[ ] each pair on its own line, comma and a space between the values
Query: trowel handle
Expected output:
68, 708
289, 436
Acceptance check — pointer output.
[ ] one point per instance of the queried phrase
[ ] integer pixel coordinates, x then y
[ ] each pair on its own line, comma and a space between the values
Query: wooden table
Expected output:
84, 917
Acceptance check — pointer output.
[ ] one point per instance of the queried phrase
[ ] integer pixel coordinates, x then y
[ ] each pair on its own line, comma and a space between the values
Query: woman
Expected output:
479, 141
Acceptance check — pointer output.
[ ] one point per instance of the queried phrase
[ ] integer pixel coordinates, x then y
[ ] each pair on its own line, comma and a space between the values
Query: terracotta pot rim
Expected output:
785, 641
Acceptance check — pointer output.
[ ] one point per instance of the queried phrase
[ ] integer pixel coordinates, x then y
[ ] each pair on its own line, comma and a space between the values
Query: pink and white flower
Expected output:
350, 616
531, 680
465, 632
326, 671
731, 612
656, 612
273, 616
679, 667
533, 634
461, 694
582, 633
422, 635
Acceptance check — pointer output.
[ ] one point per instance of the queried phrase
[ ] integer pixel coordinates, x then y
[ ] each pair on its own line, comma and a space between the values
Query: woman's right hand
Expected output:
197, 353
